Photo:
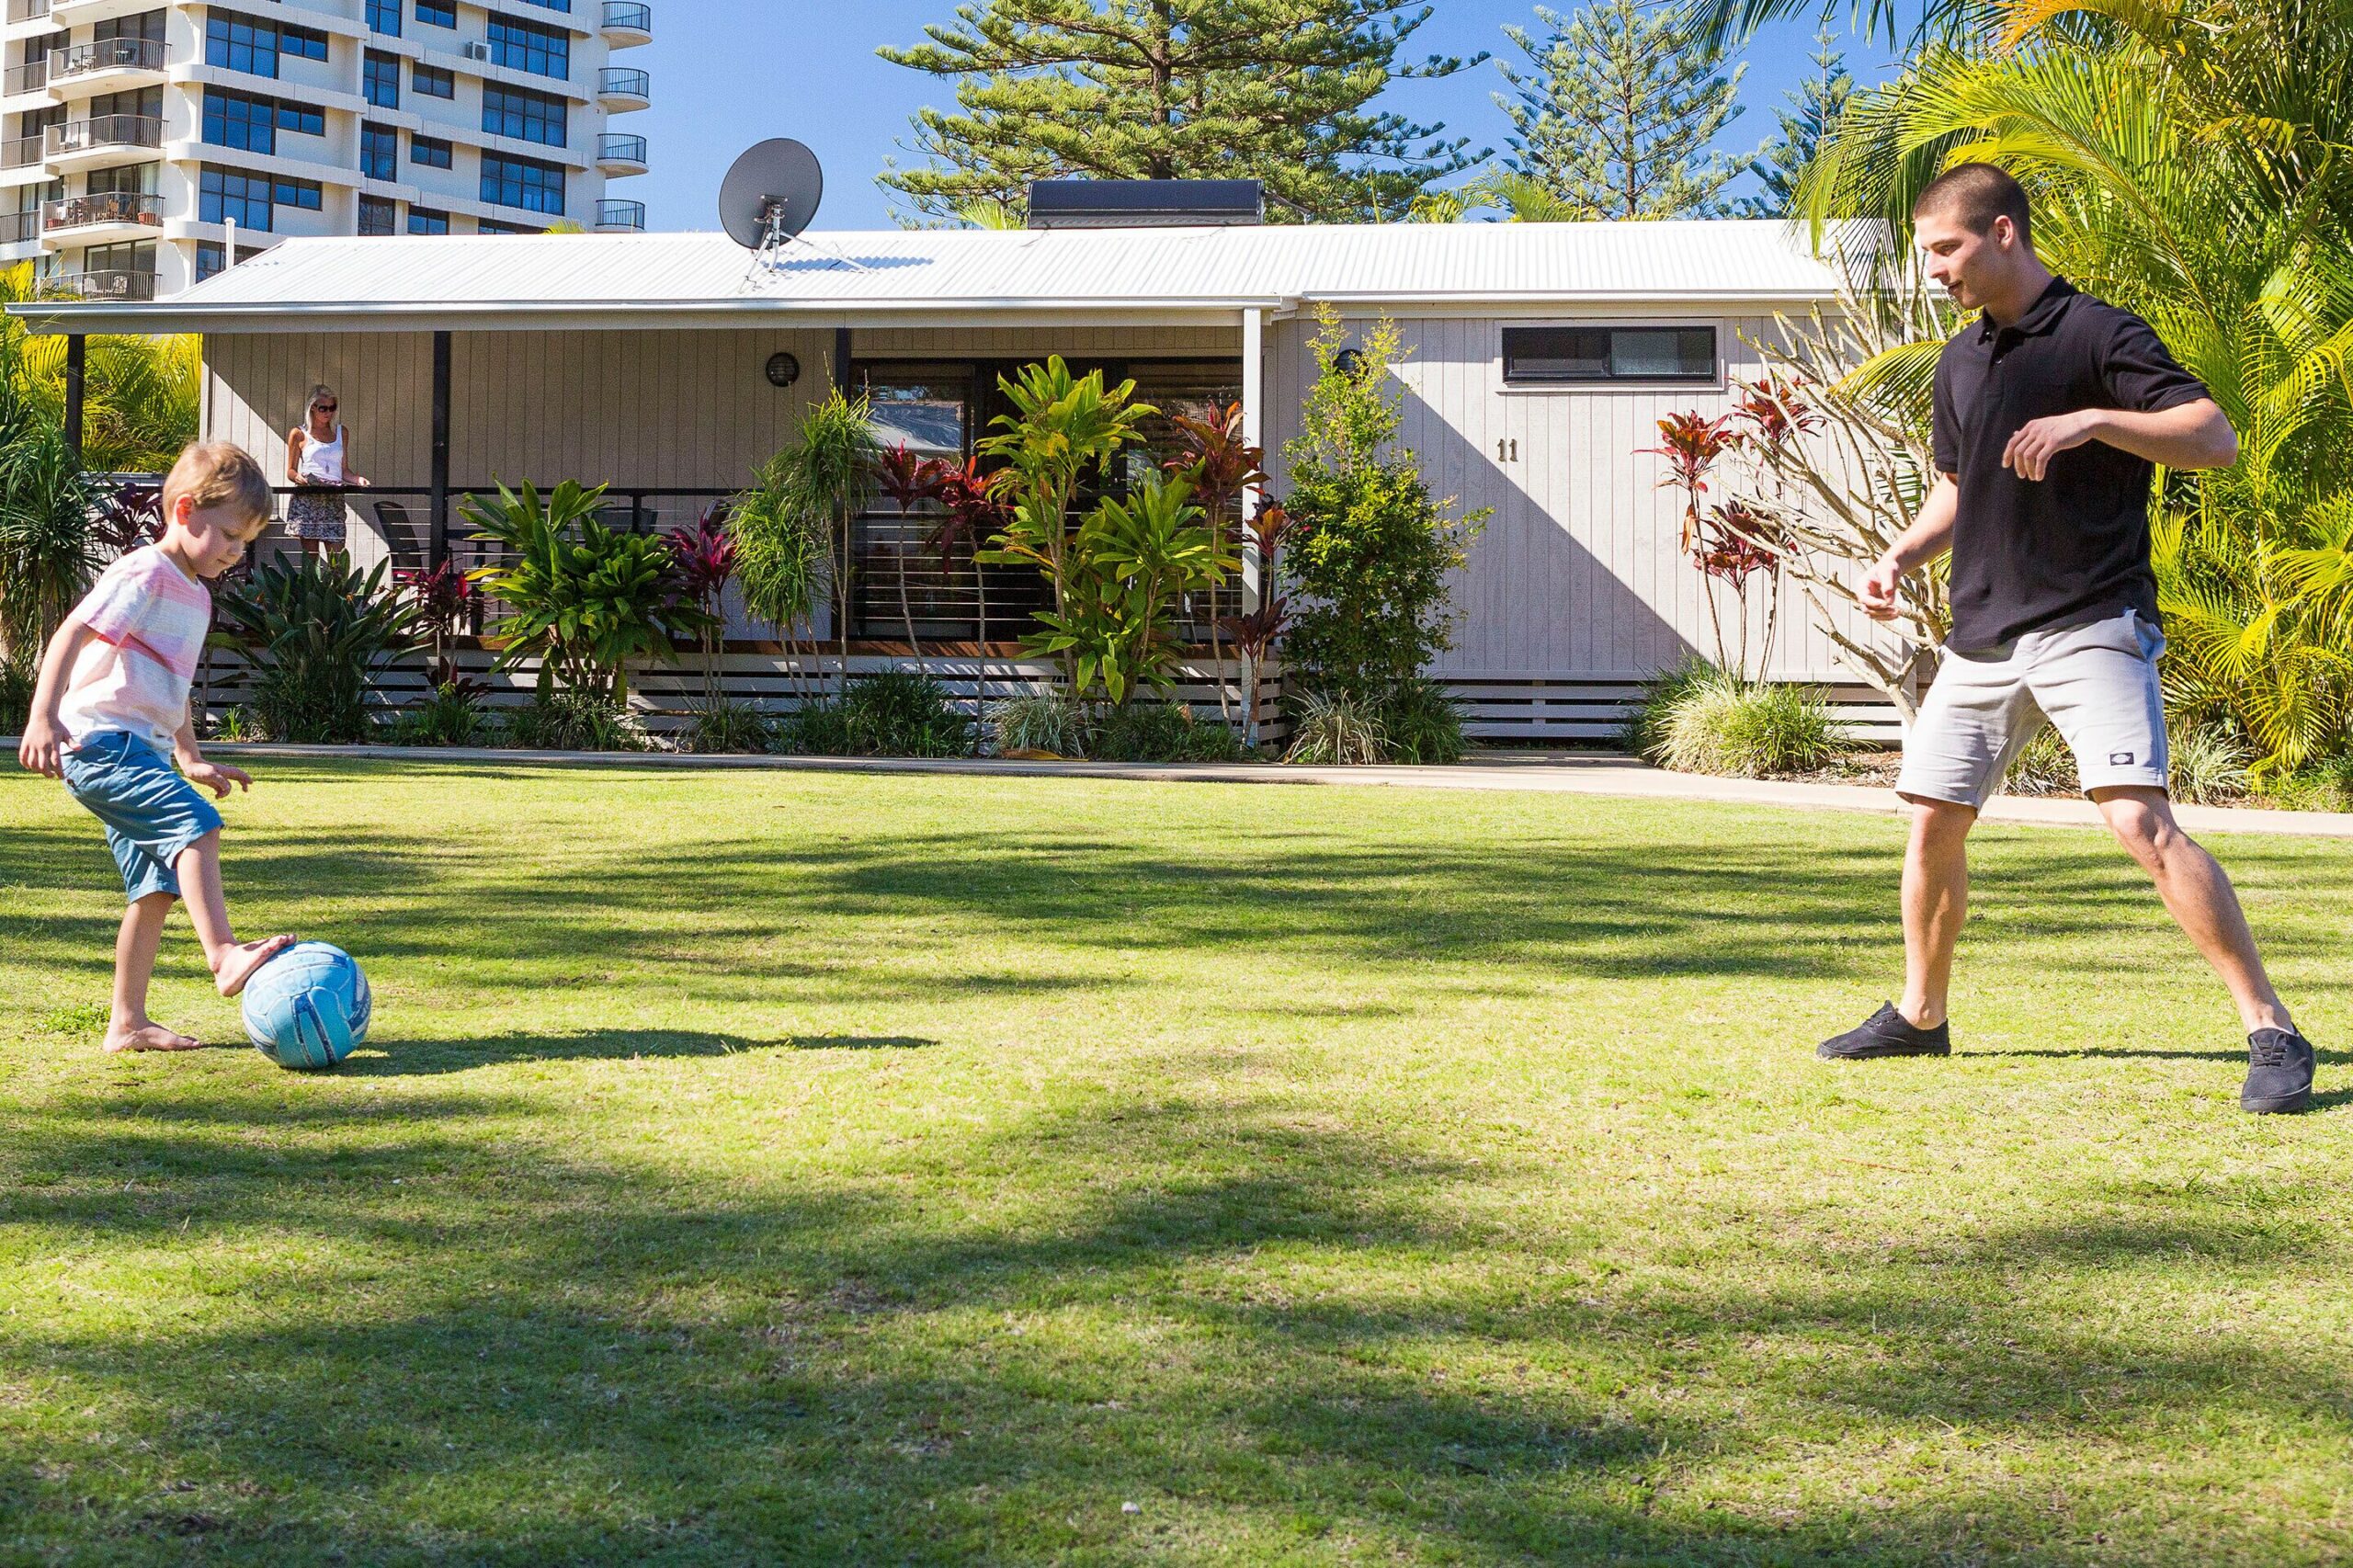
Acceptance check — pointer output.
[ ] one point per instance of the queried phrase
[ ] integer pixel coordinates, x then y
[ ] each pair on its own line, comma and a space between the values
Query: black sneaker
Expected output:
2279, 1072
1886, 1033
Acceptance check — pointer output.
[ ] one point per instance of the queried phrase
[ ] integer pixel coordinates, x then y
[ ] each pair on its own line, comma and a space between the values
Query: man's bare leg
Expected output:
232, 962
1936, 907
2199, 895
135, 946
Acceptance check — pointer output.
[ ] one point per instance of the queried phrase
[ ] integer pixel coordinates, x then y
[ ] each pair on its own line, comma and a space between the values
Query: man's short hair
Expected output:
219, 474
1976, 194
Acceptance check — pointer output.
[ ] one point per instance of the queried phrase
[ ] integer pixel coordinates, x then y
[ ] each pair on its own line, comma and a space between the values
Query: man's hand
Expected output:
43, 748
2039, 440
215, 777
1878, 589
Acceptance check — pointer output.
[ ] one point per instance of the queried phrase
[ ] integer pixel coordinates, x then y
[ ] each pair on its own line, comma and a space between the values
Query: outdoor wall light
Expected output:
783, 369
1349, 362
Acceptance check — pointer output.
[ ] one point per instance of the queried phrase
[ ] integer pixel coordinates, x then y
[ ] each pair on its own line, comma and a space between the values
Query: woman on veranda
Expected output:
318, 462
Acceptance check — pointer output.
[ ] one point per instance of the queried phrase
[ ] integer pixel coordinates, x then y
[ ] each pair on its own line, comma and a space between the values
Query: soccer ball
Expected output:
308, 1006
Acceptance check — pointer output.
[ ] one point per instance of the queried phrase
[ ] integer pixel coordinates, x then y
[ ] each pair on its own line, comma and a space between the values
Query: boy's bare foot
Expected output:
238, 965
149, 1037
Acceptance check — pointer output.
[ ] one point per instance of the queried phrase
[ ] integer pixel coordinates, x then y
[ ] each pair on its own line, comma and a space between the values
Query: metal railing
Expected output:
103, 207
624, 16
103, 130
28, 10
29, 77
23, 153
623, 82
110, 284
612, 213
612, 148
16, 228
107, 54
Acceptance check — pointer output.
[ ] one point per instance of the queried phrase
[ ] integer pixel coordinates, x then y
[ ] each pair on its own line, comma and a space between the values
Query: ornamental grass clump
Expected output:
1043, 723
1701, 718
1337, 730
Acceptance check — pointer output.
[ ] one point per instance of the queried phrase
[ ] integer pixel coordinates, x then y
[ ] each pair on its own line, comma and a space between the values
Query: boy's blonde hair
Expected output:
219, 474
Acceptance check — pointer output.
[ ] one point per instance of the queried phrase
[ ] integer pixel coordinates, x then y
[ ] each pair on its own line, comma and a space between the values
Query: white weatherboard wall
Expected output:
1579, 574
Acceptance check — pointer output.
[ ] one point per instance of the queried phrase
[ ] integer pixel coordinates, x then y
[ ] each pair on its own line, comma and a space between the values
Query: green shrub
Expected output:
1713, 723
451, 716
1046, 723
1336, 732
574, 720
1163, 732
1370, 576
726, 726
314, 629
580, 598
2320, 786
894, 713
1425, 726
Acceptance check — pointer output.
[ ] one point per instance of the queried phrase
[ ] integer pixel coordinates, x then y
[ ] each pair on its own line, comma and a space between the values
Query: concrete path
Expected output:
1564, 773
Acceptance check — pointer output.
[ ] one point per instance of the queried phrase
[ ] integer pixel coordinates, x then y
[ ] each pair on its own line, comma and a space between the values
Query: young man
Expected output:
2050, 411
111, 717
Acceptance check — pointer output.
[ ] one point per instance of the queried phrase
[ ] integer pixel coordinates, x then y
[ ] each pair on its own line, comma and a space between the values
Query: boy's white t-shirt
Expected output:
149, 619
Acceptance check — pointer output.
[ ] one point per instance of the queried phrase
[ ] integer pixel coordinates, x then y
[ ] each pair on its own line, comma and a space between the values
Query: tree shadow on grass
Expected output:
1273, 1326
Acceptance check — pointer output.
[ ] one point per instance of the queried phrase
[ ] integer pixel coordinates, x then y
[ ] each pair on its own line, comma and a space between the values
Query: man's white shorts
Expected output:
2098, 683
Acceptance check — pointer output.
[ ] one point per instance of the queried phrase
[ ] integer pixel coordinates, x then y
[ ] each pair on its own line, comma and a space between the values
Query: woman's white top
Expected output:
321, 462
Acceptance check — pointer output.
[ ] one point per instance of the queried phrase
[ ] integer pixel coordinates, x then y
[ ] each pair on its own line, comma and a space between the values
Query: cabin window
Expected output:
1575, 355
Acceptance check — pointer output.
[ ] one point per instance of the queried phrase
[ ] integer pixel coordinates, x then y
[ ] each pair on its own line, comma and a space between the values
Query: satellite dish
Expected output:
770, 194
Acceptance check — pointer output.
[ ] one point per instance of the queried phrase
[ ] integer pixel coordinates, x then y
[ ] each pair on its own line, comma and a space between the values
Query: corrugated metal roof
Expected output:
479, 279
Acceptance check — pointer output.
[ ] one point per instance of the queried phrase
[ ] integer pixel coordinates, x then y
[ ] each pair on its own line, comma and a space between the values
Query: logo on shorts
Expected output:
2119, 759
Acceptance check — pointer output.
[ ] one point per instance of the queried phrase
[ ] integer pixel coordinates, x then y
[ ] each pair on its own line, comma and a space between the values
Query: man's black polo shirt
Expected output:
2073, 546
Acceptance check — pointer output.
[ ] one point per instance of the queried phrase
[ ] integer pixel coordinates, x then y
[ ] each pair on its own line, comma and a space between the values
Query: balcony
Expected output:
104, 217
621, 89
82, 13
102, 142
621, 217
28, 10
109, 66
110, 284
16, 228
627, 24
621, 154
29, 77
25, 153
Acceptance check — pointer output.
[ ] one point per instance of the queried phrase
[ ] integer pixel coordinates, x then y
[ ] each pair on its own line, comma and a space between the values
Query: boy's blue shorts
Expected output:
152, 813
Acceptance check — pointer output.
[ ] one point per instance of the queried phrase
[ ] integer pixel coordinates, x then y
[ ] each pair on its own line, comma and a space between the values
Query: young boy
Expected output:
112, 705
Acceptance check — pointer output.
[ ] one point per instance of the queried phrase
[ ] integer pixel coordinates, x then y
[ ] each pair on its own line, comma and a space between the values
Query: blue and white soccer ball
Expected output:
307, 1007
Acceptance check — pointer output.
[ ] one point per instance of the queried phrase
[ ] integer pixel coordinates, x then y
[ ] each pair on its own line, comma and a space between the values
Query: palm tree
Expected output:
140, 394
2196, 174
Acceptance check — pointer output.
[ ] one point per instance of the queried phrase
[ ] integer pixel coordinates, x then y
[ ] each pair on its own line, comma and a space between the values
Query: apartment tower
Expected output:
139, 143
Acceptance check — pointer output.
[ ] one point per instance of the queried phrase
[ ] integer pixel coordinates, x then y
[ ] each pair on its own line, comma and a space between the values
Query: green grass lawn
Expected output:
762, 1168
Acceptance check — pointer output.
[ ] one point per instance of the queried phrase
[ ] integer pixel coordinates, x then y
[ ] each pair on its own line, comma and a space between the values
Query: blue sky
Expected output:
729, 72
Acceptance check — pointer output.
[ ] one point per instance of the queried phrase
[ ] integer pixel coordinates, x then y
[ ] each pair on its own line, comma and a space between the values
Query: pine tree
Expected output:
1275, 90
1616, 111
1810, 120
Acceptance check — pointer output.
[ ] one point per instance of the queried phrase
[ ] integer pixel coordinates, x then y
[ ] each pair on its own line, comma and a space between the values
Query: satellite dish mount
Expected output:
766, 201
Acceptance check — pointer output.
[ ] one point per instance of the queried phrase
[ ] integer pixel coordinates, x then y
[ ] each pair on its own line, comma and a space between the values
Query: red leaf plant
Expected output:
702, 560
1254, 633
910, 481
1222, 465
1690, 442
